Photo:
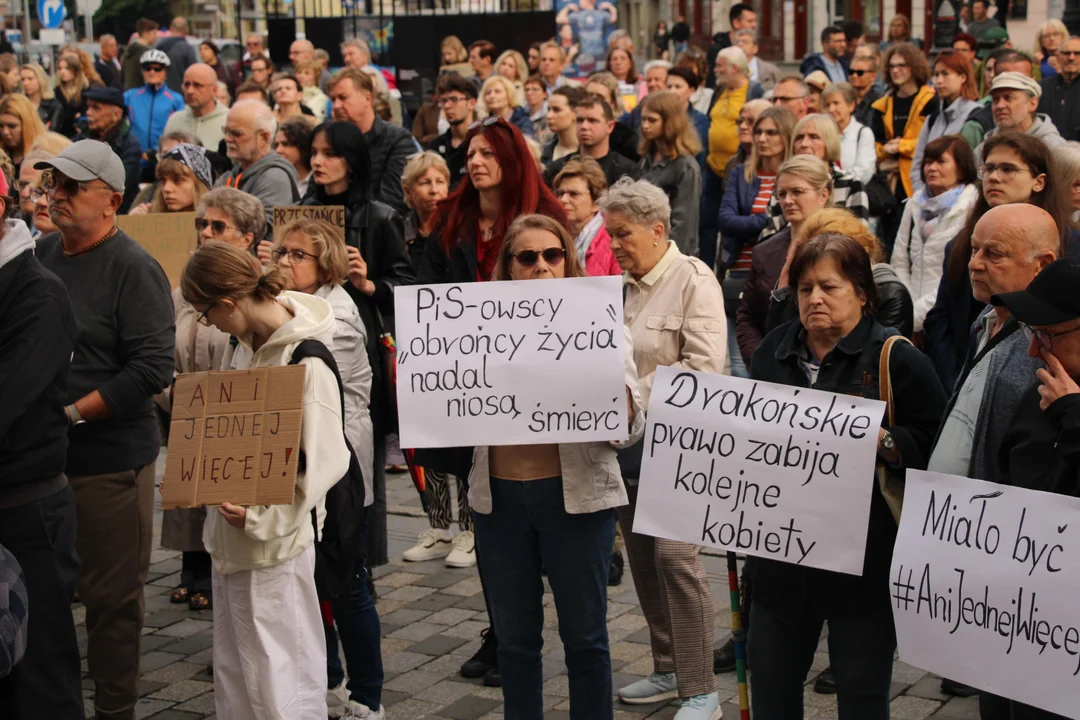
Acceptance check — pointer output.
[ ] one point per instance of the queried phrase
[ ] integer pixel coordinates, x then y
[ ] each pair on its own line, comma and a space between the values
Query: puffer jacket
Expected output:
148, 110
919, 261
739, 227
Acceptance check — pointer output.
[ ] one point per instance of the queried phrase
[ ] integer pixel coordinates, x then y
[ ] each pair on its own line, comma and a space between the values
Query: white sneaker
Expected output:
700, 707
356, 711
464, 553
336, 700
433, 543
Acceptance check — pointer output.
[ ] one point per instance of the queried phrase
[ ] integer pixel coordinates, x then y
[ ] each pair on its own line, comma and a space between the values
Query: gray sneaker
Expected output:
655, 688
700, 707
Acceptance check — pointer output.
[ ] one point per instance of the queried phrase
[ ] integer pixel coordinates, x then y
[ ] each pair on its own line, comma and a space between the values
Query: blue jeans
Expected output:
860, 650
527, 529
712, 192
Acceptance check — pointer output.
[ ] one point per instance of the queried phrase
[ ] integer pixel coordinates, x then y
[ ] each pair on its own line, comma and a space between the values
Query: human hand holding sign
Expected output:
235, 515
358, 272
263, 252
1055, 383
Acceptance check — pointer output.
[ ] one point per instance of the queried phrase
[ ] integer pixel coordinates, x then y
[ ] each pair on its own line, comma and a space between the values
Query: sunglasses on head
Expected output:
528, 258
488, 122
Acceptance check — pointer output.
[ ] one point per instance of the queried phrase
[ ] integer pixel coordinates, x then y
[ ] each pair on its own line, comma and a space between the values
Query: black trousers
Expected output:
46, 683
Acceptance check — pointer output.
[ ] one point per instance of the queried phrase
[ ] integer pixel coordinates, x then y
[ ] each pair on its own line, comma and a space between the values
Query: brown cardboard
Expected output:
234, 437
333, 214
170, 237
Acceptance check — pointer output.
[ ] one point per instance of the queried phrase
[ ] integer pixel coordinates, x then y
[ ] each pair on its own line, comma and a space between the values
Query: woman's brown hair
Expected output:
73, 92
586, 168
916, 62
172, 169
329, 242
679, 136
840, 221
546, 224
18, 106
851, 258
631, 76
217, 271
785, 124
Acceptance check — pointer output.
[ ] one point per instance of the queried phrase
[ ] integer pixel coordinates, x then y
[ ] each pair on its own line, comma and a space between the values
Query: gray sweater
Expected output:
271, 178
124, 308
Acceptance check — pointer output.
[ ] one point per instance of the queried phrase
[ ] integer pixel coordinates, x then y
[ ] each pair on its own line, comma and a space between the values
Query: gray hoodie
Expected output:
1042, 128
271, 178
949, 121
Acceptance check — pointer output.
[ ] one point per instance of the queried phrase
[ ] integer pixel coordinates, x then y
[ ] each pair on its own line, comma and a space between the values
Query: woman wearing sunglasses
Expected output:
550, 507
675, 311
501, 184
314, 259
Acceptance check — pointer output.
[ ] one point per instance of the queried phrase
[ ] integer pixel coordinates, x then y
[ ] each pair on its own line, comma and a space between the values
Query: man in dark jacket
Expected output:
457, 96
1061, 93
352, 92
180, 51
595, 121
147, 31
108, 63
124, 357
38, 333
1041, 448
108, 124
741, 16
832, 60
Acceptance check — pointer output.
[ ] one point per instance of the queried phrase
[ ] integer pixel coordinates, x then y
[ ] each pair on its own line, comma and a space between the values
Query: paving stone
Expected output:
410, 593
187, 628
440, 601
203, 704
190, 645
385, 607
146, 687
929, 688
410, 709
474, 602
183, 691
451, 616
413, 681
145, 707
469, 629
404, 617
417, 631
403, 662
960, 709
174, 673
445, 692
466, 588
912, 708
442, 579
469, 707
176, 715
151, 661
398, 579
391, 646
393, 697
438, 645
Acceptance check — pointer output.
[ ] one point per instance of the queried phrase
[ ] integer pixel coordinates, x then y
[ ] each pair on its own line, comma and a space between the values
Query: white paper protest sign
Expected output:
510, 363
774, 471
984, 584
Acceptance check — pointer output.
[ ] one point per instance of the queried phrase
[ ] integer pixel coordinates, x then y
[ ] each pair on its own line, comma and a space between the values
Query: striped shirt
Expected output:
760, 207
847, 193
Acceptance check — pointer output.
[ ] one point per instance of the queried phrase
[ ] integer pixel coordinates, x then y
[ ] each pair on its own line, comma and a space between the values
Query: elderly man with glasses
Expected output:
1060, 99
123, 357
203, 116
1015, 100
457, 96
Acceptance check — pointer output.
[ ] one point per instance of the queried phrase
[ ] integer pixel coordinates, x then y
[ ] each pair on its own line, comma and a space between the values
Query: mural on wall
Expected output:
582, 30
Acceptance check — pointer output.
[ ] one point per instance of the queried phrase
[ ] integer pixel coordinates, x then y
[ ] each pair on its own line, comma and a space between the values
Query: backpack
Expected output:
340, 550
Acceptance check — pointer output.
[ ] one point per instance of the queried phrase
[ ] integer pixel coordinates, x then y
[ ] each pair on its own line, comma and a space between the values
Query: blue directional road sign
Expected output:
51, 13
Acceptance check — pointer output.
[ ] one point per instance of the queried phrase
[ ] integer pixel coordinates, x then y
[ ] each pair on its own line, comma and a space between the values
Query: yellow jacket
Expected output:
910, 138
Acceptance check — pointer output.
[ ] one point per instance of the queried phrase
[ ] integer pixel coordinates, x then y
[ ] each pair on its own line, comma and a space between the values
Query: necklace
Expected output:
112, 231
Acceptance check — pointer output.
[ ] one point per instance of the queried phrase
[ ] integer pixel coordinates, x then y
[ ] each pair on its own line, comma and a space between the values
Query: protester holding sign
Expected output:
500, 185
835, 346
378, 262
269, 650
313, 257
549, 507
675, 311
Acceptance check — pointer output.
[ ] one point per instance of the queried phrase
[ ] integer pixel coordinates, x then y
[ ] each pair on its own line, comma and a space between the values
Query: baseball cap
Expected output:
109, 95
1016, 81
88, 160
991, 40
1049, 299
817, 79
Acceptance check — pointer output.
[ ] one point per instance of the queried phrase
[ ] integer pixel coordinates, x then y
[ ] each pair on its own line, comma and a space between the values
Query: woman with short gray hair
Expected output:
231, 216
675, 312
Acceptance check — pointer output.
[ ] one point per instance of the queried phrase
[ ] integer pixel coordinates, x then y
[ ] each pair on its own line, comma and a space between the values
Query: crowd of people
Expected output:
782, 227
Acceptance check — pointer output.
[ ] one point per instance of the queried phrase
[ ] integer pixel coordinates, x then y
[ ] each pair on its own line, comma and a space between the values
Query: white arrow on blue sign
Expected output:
51, 13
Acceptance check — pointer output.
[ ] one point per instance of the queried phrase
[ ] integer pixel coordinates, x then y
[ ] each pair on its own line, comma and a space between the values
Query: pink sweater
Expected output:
599, 260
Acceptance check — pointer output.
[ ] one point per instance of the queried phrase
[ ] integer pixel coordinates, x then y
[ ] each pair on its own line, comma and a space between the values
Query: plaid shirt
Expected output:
12, 612
847, 193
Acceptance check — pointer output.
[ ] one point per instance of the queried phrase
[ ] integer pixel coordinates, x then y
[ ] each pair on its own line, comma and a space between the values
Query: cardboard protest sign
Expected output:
984, 583
510, 363
234, 437
333, 214
170, 237
775, 471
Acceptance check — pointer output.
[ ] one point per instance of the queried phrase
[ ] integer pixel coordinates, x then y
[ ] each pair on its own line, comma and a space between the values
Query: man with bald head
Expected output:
1011, 244
258, 170
203, 116
304, 51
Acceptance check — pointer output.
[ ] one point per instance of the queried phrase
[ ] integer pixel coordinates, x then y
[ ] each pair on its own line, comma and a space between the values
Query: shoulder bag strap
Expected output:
885, 379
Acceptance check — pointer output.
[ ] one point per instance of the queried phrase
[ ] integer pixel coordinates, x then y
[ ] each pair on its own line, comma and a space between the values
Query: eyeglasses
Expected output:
204, 318
452, 100
1007, 171
35, 194
217, 227
1046, 339
744, 121
528, 258
50, 181
153, 68
897, 66
777, 99
860, 73
794, 193
1068, 53
295, 256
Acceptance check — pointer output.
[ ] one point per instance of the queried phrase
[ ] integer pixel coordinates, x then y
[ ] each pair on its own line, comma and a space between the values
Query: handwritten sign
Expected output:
283, 216
170, 238
234, 437
769, 470
984, 584
510, 363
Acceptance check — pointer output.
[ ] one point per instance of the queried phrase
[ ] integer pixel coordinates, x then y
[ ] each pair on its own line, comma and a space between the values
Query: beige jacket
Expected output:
590, 471
676, 316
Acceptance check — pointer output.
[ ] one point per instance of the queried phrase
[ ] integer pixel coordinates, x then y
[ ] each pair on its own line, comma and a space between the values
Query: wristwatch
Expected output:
887, 442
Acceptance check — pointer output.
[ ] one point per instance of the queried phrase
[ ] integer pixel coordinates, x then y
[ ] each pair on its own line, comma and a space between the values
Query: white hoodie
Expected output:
275, 533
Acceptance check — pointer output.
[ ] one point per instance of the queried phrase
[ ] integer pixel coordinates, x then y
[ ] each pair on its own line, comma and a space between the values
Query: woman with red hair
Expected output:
952, 111
501, 184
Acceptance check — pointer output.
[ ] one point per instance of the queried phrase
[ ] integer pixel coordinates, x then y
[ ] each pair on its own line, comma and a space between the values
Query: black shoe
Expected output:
825, 683
723, 658
485, 658
958, 689
615, 574
493, 678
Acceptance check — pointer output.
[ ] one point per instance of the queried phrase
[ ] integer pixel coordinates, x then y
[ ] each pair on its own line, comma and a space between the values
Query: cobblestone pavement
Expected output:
431, 620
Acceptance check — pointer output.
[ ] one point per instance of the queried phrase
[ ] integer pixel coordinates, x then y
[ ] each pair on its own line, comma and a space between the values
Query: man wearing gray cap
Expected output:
1014, 99
124, 356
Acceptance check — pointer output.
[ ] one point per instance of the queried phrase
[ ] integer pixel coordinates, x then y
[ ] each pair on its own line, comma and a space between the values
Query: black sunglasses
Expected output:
216, 226
858, 73
552, 256
154, 68
51, 180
